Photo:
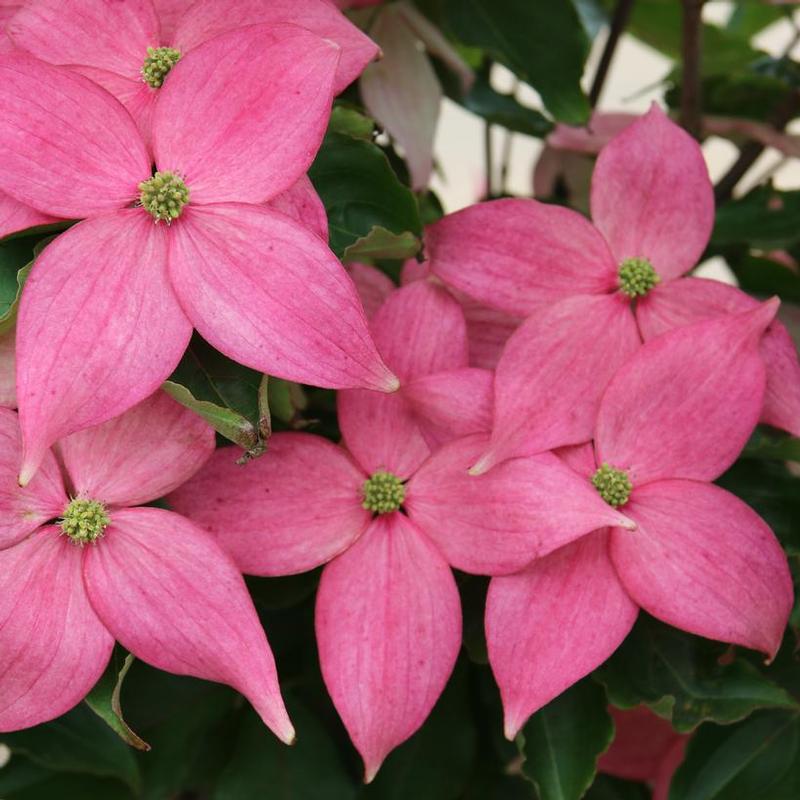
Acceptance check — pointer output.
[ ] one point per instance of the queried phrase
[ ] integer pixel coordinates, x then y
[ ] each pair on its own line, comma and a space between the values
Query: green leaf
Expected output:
562, 742
380, 243
104, 699
23, 780
772, 444
544, 44
16, 260
756, 760
681, 677
361, 192
607, 788
351, 122
764, 218
765, 277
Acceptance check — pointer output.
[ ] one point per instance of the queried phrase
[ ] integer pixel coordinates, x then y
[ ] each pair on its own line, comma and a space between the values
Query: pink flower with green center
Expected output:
82, 563
592, 292
109, 306
699, 559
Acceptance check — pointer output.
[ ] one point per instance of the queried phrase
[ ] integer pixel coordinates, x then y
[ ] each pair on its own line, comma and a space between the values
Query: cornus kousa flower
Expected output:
80, 567
673, 418
109, 305
591, 292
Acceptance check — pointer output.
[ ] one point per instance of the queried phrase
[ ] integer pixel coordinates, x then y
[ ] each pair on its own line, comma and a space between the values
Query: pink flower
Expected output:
592, 292
109, 306
143, 576
673, 418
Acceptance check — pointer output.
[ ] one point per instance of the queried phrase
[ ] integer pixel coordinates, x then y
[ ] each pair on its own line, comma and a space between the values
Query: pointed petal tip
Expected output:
627, 524
483, 464
511, 727
370, 771
26, 473
288, 735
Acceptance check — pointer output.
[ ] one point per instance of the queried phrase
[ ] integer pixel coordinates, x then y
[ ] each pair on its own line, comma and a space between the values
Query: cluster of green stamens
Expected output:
164, 196
159, 61
613, 485
637, 277
84, 520
383, 493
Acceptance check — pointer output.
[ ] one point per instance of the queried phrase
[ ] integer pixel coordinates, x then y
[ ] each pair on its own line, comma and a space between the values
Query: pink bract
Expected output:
237, 271
152, 580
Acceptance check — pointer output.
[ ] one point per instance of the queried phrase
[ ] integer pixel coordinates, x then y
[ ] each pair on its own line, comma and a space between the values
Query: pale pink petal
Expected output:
8, 372
112, 36
373, 285
689, 300
255, 142
174, 599
662, 415
402, 92
99, 328
302, 203
652, 197
139, 456
705, 562
500, 522
53, 648
551, 625
592, 138
290, 511
72, 153
451, 404
388, 629
272, 296
210, 17
520, 255
16, 216
24, 510
553, 372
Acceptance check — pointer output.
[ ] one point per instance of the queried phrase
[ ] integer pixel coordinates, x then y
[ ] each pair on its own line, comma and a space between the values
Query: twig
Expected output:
619, 20
691, 48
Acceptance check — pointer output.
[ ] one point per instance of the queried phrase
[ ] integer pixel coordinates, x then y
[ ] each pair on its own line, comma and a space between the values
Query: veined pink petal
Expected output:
272, 296
96, 33
500, 522
591, 139
403, 93
302, 203
652, 197
211, 17
171, 596
53, 648
689, 300
139, 456
99, 328
705, 562
74, 152
242, 116
373, 285
661, 416
8, 371
16, 216
669, 765
553, 372
488, 330
169, 13
388, 626
288, 512
26, 509
520, 255
579, 457
551, 625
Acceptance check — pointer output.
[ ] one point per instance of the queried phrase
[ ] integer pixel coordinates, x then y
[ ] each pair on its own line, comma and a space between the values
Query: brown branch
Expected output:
691, 51
619, 20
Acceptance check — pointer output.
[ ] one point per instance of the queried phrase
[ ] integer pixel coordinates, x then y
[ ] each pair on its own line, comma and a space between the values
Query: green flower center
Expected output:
637, 277
164, 196
84, 520
383, 493
613, 485
159, 61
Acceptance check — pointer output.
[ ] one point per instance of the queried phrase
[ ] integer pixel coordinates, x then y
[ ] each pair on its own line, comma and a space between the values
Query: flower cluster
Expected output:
546, 401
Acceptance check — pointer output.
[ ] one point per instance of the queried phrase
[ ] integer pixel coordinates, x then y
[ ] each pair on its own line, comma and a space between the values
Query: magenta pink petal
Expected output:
113, 36
171, 596
373, 285
661, 416
579, 457
53, 648
488, 330
652, 197
500, 522
288, 512
73, 153
210, 17
551, 625
705, 562
80, 331
272, 296
553, 372
139, 456
388, 629
302, 203
26, 509
520, 255
16, 216
8, 369
253, 143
